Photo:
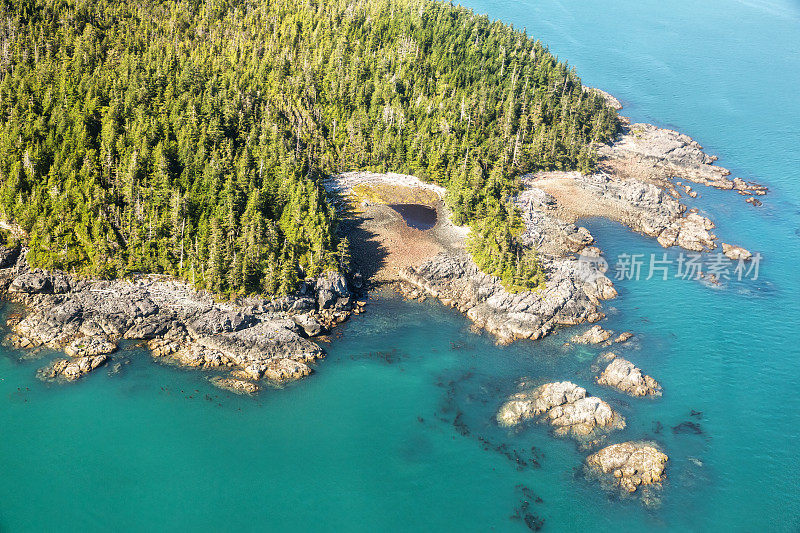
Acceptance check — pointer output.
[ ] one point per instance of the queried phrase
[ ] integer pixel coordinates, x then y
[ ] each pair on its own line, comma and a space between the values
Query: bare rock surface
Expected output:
624, 376
644, 207
625, 336
94, 345
566, 407
736, 253
629, 465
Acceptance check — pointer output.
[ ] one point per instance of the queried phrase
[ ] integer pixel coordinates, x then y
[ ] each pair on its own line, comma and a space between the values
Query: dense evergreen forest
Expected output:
189, 137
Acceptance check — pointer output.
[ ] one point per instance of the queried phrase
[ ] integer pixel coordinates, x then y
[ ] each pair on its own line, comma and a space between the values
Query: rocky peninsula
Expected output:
646, 180
639, 182
635, 184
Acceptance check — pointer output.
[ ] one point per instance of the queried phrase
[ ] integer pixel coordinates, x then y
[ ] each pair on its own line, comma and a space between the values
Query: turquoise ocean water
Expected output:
395, 432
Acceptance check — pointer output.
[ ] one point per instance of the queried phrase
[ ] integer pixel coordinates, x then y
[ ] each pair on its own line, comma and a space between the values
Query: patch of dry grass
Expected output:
387, 193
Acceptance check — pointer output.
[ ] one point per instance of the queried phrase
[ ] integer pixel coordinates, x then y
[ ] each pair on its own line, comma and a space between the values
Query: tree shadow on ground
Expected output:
367, 251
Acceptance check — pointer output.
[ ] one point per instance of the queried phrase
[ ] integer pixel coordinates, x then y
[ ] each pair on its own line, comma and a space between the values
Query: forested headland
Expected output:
190, 137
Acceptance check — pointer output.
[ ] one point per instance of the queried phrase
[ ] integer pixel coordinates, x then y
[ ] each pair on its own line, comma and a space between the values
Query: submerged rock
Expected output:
238, 386
624, 376
566, 407
630, 465
71, 369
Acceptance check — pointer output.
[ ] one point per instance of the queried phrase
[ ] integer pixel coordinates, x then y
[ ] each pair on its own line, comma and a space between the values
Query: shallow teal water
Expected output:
391, 432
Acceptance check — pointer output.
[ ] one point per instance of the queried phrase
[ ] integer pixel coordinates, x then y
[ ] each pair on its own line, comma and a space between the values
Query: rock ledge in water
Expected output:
93, 345
238, 386
71, 369
595, 335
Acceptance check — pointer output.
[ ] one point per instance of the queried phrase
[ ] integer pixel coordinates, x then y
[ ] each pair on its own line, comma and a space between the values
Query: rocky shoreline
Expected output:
634, 185
251, 339
637, 184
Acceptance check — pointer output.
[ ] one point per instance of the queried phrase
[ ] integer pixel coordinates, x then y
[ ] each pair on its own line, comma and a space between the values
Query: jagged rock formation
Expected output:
92, 345
566, 407
644, 207
631, 465
736, 253
625, 336
646, 151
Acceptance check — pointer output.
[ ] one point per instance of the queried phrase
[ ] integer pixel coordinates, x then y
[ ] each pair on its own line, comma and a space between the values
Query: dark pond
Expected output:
417, 216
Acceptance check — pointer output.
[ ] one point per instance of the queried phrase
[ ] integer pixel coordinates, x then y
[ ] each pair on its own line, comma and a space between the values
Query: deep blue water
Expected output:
391, 432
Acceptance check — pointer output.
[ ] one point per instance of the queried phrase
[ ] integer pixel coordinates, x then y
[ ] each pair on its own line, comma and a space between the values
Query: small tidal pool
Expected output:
416, 216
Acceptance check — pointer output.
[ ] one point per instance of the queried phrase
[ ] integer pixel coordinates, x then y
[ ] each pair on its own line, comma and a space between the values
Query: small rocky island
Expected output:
566, 407
629, 466
626, 377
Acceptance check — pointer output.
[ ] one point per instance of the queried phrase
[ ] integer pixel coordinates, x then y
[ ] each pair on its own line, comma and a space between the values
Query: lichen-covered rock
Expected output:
594, 335
624, 376
566, 407
95, 345
630, 464
71, 369
238, 386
